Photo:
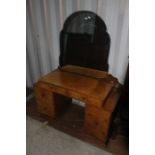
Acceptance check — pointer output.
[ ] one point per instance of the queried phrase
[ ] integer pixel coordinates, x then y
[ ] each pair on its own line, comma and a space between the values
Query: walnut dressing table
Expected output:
97, 89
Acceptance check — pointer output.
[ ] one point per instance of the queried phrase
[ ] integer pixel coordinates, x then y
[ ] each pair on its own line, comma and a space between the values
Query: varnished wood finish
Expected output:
85, 71
44, 99
50, 103
100, 94
97, 120
77, 86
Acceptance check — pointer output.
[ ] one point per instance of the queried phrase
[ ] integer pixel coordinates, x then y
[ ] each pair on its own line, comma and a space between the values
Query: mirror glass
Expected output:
84, 41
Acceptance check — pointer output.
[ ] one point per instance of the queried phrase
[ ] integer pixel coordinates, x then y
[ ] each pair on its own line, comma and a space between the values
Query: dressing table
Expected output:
82, 75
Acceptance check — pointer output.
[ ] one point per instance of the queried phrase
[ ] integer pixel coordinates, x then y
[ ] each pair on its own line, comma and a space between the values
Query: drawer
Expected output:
97, 122
44, 101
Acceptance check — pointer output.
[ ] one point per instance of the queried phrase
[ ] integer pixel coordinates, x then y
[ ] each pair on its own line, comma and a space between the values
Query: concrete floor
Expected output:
45, 140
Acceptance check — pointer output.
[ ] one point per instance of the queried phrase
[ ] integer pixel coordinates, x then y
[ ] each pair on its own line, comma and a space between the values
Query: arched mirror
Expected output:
84, 41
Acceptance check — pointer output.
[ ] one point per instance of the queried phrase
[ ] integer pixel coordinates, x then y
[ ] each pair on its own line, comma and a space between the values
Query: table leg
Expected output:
50, 103
97, 121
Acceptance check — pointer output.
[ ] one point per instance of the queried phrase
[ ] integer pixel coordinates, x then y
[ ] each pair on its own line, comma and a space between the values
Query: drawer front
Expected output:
97, 122
44, 101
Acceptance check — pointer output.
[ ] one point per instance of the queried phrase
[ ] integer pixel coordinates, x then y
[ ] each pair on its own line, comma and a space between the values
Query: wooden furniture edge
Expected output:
113, 98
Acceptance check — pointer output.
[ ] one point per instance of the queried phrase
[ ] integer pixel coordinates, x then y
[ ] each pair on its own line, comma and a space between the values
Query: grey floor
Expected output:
45, 140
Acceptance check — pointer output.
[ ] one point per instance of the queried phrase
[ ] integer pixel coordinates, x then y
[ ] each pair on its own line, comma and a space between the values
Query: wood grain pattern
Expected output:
84, 85
97, 121
84, 71
99, 94
44, 99
50, 103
